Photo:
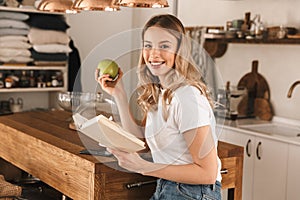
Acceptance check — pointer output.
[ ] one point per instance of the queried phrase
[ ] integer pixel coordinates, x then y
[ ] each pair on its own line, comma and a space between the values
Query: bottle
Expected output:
1, 80
32, 82
24, 80
247, 22
281, 33
41, 79
48, 79
59, 76
259, 28
227, 90
54, 81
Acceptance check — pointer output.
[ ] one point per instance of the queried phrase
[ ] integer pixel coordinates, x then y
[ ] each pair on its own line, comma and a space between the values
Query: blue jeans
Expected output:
169, 190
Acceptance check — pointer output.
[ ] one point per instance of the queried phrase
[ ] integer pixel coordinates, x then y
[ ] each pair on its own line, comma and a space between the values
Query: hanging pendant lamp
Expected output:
143, 3
97, 5
63, 6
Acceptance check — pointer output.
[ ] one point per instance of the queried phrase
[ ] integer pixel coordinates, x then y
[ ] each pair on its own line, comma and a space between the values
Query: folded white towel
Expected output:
15, 59
5, 38
52, 48
10, 23
15, 45
14, 15
13, 31
10, 52
41, 36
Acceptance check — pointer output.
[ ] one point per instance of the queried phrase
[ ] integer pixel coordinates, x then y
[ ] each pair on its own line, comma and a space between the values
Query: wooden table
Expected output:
40, 143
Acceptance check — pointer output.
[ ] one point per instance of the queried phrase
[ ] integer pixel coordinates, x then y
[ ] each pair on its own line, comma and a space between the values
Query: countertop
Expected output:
236, 126
41, 143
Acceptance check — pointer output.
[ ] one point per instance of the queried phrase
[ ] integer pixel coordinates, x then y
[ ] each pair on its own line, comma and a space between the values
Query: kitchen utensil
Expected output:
70, 101
5, 108
237, 23
256, 86
263, 109
247, 23
16, 106
235, 97
86, 103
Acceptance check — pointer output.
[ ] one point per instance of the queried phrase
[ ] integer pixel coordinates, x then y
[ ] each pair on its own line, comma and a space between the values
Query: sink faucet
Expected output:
289, 95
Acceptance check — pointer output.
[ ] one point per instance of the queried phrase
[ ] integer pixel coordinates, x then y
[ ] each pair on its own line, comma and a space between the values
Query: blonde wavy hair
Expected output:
185, 71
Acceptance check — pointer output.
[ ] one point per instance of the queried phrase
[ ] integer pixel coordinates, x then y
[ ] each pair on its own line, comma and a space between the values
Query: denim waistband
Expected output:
161, 182
166, 189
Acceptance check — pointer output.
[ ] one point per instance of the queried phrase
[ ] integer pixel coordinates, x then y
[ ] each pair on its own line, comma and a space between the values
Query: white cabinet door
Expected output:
265, 165
270, 169
293, 177
248, 142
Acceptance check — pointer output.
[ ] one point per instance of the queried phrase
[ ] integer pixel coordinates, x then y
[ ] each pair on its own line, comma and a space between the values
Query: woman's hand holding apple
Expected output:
107, 83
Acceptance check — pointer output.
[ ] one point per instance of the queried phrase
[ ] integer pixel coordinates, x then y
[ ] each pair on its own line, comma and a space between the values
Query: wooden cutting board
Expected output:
257, 87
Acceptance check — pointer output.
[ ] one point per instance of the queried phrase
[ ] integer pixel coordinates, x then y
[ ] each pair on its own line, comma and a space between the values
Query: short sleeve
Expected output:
193, 109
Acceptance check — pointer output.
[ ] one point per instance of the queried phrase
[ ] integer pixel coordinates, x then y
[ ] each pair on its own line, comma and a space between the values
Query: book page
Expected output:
108, 133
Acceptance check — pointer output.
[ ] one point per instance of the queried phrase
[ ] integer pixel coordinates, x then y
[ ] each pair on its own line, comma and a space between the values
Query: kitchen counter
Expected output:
238, 126
40, 143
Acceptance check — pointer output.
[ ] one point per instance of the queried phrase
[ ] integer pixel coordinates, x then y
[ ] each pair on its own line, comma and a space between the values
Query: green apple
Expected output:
108, 66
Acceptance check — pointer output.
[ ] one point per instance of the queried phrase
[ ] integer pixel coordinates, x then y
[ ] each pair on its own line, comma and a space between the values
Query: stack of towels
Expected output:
14, 46
49, 40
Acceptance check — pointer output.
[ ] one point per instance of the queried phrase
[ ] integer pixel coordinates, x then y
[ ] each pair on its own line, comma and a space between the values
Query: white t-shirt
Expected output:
189, 109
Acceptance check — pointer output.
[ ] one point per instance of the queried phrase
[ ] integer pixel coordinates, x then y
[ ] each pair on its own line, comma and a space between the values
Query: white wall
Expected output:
113, 35
91, 29
279, 64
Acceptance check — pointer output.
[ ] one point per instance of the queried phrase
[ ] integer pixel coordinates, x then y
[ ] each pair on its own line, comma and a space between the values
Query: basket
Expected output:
8, 190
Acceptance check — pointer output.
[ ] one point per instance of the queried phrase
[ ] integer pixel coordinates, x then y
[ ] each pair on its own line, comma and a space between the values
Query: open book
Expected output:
108, 133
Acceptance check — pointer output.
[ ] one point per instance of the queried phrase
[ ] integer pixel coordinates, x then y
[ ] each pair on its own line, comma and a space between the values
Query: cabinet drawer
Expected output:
228, 172
121, 185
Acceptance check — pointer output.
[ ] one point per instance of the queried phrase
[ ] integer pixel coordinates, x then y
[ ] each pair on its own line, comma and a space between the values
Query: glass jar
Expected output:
282, 32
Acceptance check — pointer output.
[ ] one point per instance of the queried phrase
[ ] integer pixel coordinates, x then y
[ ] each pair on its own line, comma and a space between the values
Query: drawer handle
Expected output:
258, 151
247, 148
224, 171
139, 184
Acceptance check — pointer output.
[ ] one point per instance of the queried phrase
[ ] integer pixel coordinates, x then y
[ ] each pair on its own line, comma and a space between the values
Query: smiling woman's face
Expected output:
159, 50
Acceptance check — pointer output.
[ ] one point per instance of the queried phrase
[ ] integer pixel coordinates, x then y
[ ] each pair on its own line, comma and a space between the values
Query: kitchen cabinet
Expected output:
293, 175
265, 165
247, 142
45, 69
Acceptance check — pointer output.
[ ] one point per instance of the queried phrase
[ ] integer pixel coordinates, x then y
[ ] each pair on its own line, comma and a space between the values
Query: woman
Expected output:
179, 121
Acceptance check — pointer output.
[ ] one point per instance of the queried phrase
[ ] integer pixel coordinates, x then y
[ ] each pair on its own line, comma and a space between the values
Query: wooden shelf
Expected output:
257, 41
25, 67
51, 91
28, 10
216, 48
46, 89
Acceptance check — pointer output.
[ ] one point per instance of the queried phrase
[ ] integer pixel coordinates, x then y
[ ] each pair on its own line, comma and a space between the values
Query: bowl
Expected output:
70, 101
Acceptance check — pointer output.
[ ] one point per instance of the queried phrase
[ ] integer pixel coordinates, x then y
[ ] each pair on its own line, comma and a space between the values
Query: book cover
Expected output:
108, 133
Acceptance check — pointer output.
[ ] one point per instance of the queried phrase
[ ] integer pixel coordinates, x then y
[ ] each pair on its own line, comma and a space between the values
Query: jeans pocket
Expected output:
189, 192
211, 192
208, 197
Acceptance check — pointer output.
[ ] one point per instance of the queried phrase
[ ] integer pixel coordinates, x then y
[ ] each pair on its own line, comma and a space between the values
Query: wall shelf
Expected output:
257, 41
216, 45
28, 67
216, 48
27, 10
46, 89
